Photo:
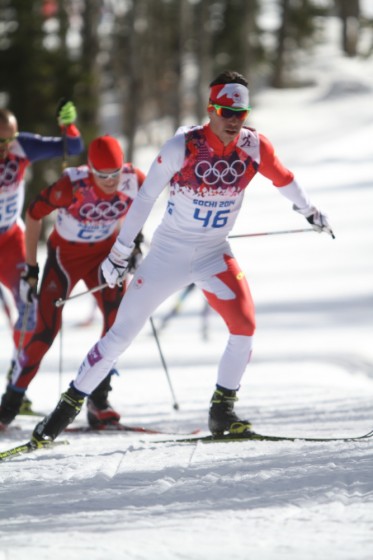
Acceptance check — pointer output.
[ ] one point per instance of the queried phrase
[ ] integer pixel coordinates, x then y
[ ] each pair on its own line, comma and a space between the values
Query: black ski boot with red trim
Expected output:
100, 413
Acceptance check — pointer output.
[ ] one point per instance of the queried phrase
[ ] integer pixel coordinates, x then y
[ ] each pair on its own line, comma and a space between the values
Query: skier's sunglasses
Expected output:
8, 140
103, 176
229, 112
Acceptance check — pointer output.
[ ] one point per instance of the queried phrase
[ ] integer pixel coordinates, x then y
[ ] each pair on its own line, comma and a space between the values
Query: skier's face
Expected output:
107, 179
226, 127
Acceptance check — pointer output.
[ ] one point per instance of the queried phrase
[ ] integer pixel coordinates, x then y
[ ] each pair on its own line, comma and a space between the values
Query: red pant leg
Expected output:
239, 312
54, 285
67, 263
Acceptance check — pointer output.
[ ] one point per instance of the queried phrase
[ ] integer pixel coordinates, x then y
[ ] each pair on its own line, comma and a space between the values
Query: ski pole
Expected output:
25, 319
64, 154
280, 232
64, 162
59, 302
176, 406
60, 361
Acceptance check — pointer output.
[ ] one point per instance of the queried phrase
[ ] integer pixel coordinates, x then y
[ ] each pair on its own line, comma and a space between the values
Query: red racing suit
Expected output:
85, 229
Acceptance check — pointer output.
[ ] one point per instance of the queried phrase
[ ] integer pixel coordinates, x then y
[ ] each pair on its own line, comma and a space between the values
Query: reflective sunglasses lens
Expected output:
109, 175
229, 113
104, 176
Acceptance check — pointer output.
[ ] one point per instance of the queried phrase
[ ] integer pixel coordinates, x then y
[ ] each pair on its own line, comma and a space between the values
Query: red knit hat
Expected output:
105, 153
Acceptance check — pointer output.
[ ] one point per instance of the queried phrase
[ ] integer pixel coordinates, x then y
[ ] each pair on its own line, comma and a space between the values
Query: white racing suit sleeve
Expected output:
167, 163
297, 195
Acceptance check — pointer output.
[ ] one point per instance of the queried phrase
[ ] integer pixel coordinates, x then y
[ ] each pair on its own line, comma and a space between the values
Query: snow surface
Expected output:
123, 496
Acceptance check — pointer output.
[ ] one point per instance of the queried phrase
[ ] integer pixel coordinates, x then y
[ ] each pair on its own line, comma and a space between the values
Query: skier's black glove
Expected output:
136, 256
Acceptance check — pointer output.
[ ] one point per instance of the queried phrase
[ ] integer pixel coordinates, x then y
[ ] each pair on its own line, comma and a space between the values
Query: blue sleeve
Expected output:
38, 147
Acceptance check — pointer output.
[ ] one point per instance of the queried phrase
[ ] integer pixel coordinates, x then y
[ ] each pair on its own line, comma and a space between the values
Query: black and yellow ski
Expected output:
29, 447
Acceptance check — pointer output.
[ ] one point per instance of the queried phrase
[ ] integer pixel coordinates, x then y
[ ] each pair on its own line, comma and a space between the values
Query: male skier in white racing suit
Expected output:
208, 168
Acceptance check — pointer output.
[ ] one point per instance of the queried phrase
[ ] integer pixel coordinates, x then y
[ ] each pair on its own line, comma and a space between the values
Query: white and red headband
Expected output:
230, 95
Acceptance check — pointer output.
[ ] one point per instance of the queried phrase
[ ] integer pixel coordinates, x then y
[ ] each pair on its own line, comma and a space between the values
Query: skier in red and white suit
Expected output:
18, 150
209, 168
91, 201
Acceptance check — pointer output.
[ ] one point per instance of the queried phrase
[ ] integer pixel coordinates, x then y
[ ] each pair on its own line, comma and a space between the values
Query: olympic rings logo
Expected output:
9, 172
104, 210
221, 170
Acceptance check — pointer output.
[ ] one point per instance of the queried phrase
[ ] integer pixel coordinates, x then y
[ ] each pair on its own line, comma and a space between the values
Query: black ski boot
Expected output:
222, 417
10, 405
26, 405
69, 406
99, 410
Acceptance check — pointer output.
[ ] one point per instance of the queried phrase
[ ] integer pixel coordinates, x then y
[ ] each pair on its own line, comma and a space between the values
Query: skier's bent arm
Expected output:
271, 167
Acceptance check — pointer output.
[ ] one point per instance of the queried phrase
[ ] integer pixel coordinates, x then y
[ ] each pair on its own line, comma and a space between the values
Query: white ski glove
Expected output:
115, 266
28, 284
318, 221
